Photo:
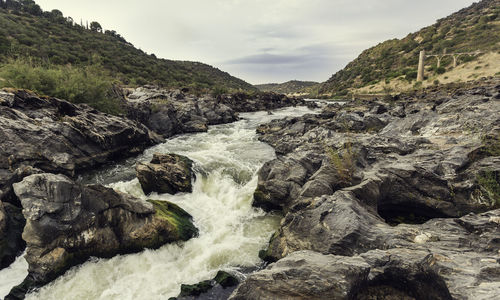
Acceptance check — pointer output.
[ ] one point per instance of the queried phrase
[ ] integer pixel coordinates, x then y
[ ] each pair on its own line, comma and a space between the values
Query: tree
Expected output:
94, 26
56, 16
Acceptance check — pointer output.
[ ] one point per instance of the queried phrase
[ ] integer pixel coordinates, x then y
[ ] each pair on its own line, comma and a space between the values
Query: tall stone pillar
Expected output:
421, 63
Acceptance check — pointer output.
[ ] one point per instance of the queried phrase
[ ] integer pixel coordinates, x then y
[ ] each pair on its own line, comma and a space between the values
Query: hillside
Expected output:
51, 38
470, 29
289, 87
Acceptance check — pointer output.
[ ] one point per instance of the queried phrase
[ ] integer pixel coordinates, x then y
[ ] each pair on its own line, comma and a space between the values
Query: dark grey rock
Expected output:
66, 223
166, 173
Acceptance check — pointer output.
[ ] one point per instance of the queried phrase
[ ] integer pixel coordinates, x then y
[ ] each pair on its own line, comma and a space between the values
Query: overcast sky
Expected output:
260, 41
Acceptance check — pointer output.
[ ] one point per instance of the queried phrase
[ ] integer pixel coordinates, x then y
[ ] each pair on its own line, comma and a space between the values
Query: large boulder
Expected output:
166, 173
66, 223
57, 136
441, 259
306, 275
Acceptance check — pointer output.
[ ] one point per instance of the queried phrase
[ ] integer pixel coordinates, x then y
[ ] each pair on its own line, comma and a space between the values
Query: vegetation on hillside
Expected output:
89, 84
289, 87
57, 46
474, 28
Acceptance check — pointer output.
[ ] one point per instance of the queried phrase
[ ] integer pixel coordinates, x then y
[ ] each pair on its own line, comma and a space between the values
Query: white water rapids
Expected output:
231, 231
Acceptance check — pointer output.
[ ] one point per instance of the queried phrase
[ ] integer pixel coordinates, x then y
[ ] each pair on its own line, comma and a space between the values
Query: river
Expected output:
232, 232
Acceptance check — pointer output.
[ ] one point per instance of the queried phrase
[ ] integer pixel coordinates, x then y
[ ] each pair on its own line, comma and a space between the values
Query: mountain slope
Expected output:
474, 28
289, 87
25, 30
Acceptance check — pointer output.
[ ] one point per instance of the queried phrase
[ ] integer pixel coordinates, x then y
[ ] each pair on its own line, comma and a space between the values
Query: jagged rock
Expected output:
57, 136
414, 210
218, 285
11, 227
441, 259
166, 173
67, 223
244, 102
172, 112
306, 275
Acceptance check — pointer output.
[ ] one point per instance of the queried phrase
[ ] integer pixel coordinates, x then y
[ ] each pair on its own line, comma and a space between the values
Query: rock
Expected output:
261, 101
172, 112
441, 259
306, 275
67, 223
421, 205
11, 227
221, 280
166, 173
56, 136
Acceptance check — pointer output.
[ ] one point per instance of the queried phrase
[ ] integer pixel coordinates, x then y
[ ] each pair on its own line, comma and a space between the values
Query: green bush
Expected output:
440, 70
90, 84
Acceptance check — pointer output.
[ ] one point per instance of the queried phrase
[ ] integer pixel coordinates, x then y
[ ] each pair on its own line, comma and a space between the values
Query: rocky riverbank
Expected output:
47, 142
385, 199
174, 112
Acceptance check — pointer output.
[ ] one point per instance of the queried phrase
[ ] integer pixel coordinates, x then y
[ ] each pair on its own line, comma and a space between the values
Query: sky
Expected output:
260, 41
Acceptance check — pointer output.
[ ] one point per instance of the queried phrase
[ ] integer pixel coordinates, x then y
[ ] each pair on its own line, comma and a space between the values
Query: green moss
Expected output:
195, 289
225, 279
489, 181
179, 218
267, 254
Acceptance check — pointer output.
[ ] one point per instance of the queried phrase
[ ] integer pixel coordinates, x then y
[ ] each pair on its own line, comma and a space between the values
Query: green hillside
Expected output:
474, 28
289, 87
49, 38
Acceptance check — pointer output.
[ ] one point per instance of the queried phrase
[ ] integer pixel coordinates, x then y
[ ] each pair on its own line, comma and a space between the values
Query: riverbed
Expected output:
232, 232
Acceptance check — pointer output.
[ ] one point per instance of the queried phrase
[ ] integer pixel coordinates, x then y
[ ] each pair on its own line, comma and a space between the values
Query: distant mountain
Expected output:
470, 29
49, 37
289, 87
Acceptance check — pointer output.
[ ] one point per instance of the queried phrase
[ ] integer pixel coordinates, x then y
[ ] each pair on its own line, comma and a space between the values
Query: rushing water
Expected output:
227, 159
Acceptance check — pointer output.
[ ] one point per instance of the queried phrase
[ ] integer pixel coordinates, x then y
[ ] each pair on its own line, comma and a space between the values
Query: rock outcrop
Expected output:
59, 137
42, 134
172, 112
411, 188
421, 159
244, 102
441, 259
166, 173
306, 275
66, 223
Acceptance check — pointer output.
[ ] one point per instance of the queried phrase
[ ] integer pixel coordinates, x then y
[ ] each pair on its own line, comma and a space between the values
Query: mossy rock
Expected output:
195, 289
177, 217
267, 254
222, 278
225, 279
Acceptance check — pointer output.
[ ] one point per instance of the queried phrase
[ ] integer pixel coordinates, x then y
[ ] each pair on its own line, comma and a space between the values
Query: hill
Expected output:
470, 29
289, 87
50, 38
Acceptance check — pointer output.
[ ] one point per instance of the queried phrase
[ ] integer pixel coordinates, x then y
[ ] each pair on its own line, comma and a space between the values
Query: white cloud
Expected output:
260, 40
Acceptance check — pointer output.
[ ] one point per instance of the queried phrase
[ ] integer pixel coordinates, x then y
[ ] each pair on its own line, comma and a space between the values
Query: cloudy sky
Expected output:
260, 41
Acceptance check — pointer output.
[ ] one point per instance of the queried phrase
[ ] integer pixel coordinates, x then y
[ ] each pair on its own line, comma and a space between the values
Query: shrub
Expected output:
344, 160
89, 84
440, 70
489, 182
